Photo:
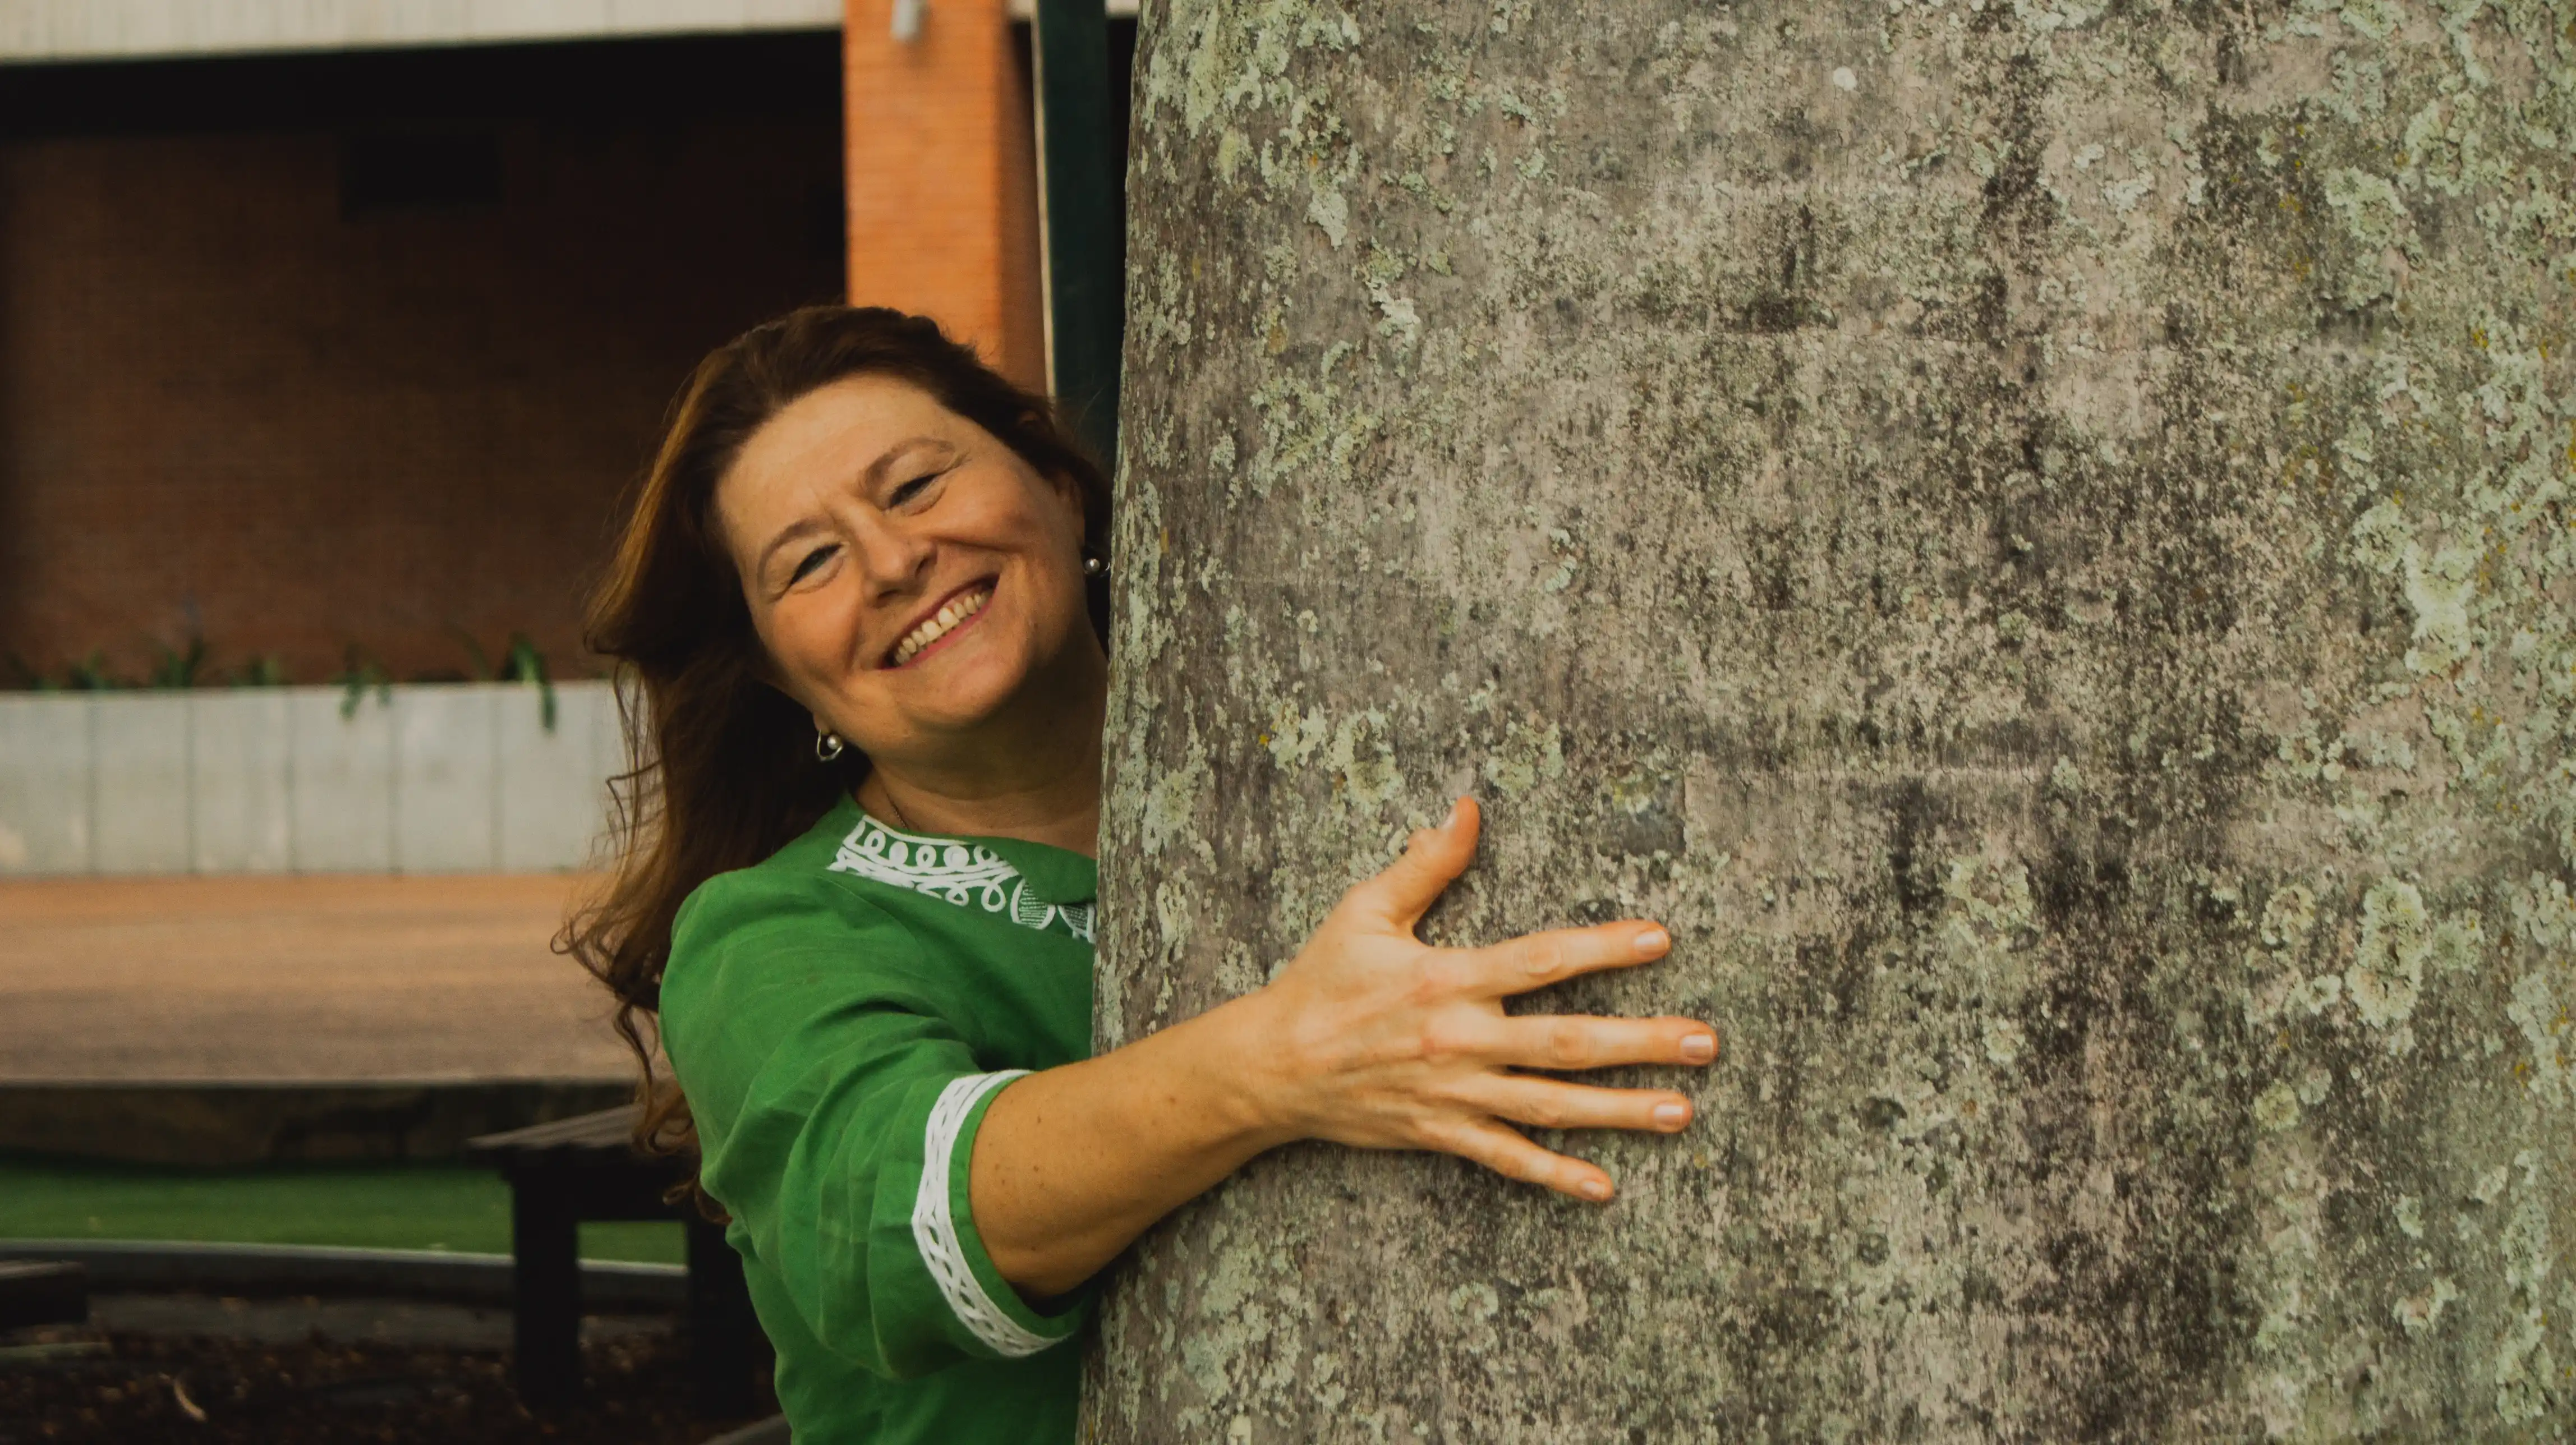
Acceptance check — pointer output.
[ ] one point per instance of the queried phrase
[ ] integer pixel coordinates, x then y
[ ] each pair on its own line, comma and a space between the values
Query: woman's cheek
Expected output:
813, 640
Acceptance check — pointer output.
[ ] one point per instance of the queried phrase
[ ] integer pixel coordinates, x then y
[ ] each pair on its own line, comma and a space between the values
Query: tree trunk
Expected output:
2037, 537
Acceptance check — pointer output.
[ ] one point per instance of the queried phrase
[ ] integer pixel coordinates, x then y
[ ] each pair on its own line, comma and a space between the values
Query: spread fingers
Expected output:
1535, 960
1513, 1157
1585, 1041
1554, 1104
1432, 860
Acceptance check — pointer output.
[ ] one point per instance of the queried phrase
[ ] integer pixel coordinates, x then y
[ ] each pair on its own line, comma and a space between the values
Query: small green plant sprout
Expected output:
265, 670
90, 674
360, 674
524, 663
176, 667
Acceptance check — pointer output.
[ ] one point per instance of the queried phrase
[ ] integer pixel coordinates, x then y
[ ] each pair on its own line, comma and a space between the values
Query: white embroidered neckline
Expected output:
966, 874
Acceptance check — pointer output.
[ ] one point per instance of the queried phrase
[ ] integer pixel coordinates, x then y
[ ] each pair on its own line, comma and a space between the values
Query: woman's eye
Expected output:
812, 561
912, 489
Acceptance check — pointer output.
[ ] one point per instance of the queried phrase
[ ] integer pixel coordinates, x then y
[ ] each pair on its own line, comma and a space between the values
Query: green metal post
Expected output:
1081, 216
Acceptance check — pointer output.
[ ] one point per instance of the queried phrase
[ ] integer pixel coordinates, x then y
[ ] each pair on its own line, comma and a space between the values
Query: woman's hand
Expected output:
1368, 1037
1373, 1038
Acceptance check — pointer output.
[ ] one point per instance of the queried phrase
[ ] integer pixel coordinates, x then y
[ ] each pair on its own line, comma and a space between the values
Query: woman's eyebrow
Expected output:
885, 460
790, 533
870, 476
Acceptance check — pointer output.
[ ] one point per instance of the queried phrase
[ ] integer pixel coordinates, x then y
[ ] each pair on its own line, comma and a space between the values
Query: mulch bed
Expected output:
145, 1390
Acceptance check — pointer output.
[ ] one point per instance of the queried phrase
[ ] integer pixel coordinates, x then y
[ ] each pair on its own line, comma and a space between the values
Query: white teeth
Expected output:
937, 627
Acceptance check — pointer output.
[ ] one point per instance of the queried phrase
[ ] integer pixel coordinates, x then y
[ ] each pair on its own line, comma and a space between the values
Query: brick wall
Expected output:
227, 406
943, 210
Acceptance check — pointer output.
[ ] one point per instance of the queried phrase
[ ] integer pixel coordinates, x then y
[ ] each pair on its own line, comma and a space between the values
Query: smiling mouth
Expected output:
952, 615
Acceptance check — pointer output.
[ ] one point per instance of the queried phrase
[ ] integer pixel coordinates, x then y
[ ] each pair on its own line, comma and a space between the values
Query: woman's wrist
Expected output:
1236, 1053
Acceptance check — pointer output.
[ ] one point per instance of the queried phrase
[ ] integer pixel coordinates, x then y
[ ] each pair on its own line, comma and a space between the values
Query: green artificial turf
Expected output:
373, 1206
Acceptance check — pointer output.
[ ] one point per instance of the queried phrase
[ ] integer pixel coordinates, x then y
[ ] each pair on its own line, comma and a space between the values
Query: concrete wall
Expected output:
462, 778
92, 29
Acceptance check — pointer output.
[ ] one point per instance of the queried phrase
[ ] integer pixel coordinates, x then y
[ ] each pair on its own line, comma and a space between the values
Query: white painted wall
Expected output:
447, 781
138, 790
98, 29
551, 782
238, 765
339, 783
440, 779
44, 784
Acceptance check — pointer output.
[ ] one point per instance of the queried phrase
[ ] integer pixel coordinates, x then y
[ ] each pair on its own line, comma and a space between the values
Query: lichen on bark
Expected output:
2037, 536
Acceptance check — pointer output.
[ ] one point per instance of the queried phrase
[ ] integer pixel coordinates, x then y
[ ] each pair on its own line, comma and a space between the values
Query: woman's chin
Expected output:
962, 691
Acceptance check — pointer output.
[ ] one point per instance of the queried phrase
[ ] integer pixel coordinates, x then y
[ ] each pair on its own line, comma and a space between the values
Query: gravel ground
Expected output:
298, 1319
77, 1386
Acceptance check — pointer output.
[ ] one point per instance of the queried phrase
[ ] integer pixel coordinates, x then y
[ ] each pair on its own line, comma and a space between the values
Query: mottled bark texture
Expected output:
2038, 538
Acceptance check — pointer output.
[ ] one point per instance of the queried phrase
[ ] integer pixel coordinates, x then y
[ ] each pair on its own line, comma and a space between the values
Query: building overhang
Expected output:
72, 30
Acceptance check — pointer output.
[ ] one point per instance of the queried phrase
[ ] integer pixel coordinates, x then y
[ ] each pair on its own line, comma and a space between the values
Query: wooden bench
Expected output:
587, 1168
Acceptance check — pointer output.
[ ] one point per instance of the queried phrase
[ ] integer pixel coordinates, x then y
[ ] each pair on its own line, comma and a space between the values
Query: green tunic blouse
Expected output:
840, 1016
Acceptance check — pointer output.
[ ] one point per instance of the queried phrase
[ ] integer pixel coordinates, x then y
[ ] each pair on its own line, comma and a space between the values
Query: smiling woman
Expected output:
861, 591
918, 584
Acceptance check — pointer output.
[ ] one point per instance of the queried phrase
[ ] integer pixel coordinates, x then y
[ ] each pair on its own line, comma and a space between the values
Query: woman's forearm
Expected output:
1073, 1163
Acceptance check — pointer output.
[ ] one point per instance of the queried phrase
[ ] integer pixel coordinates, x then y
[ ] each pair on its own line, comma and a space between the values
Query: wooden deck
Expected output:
296, 980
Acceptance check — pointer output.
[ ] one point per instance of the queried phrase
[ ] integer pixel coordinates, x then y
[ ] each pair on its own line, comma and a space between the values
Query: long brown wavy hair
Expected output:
720, 765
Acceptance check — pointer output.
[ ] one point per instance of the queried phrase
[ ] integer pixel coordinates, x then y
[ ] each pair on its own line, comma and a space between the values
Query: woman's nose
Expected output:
890, 556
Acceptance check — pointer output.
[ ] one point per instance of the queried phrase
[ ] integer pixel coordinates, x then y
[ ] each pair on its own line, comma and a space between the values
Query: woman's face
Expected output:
914, 580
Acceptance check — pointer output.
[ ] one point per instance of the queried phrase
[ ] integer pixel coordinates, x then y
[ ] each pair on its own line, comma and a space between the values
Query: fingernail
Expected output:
1671, 1116
1699, 1048
1596, 1189
1454, 805
1653, 941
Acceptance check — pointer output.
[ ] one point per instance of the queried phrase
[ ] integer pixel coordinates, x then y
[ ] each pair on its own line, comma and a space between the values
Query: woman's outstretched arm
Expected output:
1369, 1037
